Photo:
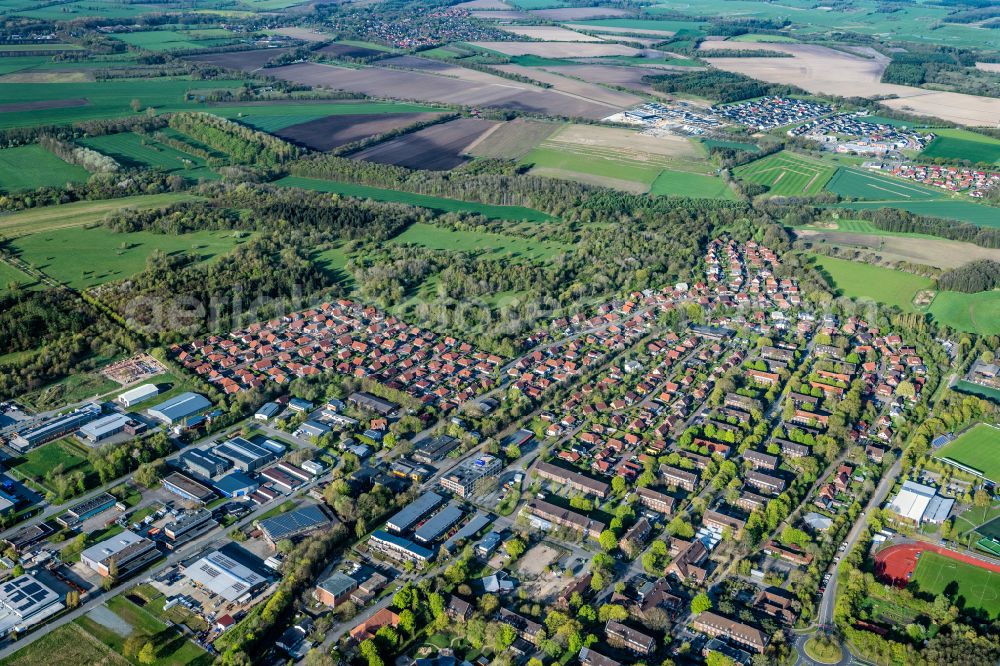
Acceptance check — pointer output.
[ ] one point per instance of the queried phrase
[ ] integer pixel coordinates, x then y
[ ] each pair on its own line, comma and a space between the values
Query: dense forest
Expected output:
725, 87
975, 276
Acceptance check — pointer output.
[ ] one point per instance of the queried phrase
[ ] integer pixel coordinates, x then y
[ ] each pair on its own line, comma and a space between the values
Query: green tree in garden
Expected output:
700, 603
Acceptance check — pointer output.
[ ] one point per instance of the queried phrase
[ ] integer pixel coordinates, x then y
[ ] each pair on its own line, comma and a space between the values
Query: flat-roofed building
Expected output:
573, 479
127, 550
179, 407
188, 526
106, 427
657, 501
222, 575
410, 514
464, 479
439, 523
27, 536
544, 515
24, 602
88, 508
187, 488
713, 624
434, 448
622, 636
55, 427
205, 463
293, 524
138, 394
335, 590
244, 454
398, 548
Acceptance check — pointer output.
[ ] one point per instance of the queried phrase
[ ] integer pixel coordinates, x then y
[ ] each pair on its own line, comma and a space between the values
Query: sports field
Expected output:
975, 313
977, 587
786, 174
978, 448
863, 281
963, 145
84, 258
864, 184
694, 185
80, 213
28, 167
421, 200
439, 238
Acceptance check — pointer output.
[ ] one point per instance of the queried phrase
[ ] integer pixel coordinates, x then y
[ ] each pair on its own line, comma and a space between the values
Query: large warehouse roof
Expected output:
180, 406
224, 576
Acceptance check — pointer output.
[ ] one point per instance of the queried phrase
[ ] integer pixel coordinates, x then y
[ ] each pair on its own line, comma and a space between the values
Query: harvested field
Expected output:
49, 76
632, 186
335, 131
549, 33
44, 104
348, 51
578, 13
819, 69
575, 87
440, 147
498, 92
989, 66
245, 61
305, 34
930, 251
559, 49
629, 77
512, 140
483, 4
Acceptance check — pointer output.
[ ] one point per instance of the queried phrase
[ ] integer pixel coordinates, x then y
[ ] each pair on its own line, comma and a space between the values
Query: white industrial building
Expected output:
138, 394
25, 602
222, 575
920, 504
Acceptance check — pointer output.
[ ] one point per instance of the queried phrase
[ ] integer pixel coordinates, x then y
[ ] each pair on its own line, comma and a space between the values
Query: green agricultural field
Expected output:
134, 151
10, 275
538, 4
762, 38
645, 24
80, 213
601, 163
909, 22
172, 40
419, 200
979, 588
693, 185
960, 144
863, 281
950, 209
101, 99
439, 238
41, 46
735, 145
786, 174
865, 184
28, 167
975, 313
83, 258
978, 448
274, 117
88, 8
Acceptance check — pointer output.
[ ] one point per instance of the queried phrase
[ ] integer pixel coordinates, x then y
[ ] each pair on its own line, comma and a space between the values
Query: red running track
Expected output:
895, 564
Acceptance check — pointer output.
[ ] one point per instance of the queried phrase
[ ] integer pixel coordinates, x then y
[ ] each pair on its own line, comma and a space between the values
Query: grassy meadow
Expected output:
885, 285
